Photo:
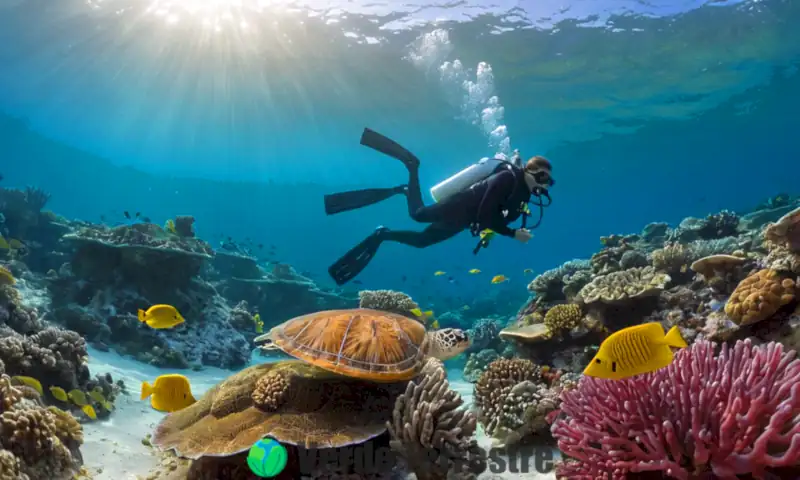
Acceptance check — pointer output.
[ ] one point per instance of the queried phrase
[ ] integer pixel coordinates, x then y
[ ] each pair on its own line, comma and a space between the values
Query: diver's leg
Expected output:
433, 234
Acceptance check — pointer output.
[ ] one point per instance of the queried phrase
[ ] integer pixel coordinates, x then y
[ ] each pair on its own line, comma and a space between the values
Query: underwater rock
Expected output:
142, 255
235, 265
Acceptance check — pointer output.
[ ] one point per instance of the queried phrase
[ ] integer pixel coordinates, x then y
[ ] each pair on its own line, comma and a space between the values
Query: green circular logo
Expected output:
267, 458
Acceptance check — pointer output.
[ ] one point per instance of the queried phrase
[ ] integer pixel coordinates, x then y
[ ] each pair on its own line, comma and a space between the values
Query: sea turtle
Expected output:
364, 343
291, 401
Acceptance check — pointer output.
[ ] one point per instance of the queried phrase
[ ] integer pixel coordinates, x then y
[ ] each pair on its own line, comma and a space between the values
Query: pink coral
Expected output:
706, 415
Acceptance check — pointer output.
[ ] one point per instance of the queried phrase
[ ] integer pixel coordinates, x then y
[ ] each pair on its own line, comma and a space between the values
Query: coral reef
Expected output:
725, 414
386, 300
37, 442
514, 399
21, 210
562, 282
477, 363
431, 432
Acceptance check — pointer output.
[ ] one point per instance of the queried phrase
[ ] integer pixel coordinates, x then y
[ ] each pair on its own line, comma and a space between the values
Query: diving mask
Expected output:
542, 177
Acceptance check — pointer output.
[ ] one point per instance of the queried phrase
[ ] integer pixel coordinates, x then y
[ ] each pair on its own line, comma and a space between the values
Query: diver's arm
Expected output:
498, 189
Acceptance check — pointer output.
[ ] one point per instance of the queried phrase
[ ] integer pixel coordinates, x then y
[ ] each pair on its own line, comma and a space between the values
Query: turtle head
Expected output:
448, 342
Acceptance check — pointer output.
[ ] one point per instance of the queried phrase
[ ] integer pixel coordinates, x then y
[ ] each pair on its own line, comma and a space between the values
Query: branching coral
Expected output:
386, 300
727, 414
759, 296
619, 287
513, 400
432, 432
563, 318
36, 442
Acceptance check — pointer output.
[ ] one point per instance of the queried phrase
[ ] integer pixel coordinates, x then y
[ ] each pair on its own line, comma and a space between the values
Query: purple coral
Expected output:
706, 415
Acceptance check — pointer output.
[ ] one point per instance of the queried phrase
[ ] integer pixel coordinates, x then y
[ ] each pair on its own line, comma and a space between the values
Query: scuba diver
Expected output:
484, 198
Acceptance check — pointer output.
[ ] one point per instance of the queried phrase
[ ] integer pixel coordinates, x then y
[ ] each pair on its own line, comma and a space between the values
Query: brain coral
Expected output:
619, 287
759, 296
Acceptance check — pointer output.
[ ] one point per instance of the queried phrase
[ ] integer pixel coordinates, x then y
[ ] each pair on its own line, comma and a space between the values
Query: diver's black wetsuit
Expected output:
492, 203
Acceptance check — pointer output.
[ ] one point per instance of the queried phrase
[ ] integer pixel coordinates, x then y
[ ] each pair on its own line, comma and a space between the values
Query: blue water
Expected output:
245, 116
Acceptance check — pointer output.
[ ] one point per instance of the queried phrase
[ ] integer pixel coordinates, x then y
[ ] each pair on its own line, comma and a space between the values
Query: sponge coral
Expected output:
36, 442
759, 296
706, 415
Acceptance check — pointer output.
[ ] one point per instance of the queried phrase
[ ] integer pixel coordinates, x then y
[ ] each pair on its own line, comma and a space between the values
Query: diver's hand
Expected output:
522, 235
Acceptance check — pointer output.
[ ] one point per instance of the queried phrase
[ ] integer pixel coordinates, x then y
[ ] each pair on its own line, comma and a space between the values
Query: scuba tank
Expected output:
472, 175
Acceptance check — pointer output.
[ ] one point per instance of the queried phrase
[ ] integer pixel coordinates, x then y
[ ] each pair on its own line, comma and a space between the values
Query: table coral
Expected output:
724, 414
432, 432
759, 296
619, 287
37, 442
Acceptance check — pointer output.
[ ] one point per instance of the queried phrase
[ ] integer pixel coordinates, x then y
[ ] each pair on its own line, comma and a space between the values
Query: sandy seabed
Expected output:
113, 448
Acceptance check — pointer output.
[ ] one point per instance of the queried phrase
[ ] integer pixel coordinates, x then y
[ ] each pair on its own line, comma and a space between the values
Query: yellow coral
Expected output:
759, 296
6, 278
563, 318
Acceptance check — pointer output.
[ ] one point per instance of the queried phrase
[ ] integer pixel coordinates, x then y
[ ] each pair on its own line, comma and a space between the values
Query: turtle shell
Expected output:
299, 405
360, 343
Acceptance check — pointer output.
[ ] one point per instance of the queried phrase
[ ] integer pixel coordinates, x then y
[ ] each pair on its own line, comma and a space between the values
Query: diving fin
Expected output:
356, 260
344, 201
387, 146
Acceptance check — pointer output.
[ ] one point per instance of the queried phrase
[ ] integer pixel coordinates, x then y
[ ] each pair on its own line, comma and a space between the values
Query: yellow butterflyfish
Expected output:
499, 279
78, 397
30, 382
169, 393
439, 273
59, 394
474, 271
89, 411
161, 316
635, 350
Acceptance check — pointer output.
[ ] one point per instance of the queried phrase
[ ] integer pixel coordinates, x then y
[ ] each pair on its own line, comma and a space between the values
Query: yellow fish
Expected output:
439, 273
435, 324
97, 395
419, 313
259, 323
59, 394
465, 307
30, 382
169, 393
487, 234
78, 397
527, 271
89, 411
474, 271
170, 227
161, 316
634, 351
499, 279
